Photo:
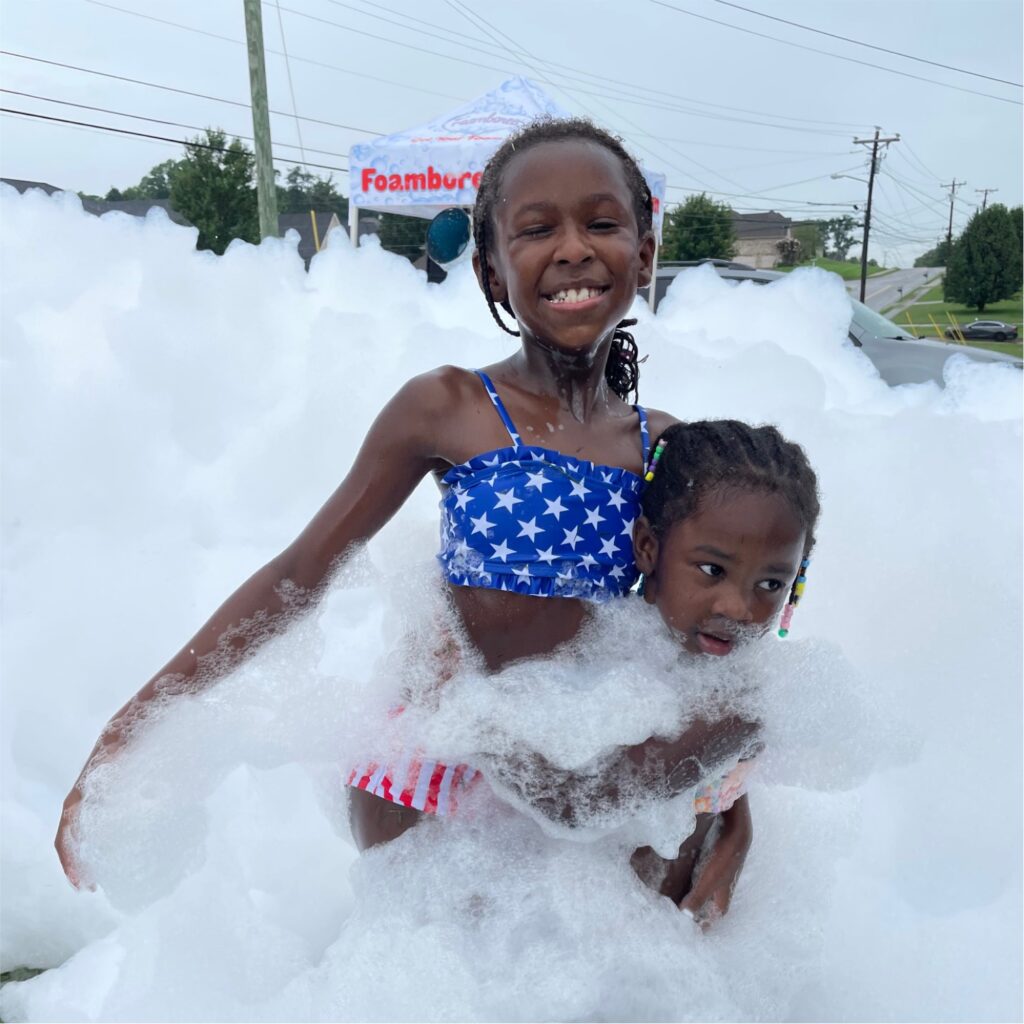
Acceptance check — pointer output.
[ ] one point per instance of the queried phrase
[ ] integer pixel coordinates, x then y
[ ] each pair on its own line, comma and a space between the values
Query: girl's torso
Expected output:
499, 419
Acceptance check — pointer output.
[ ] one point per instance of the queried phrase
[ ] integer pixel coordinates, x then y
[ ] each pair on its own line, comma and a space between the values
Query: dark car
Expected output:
899, 357
996, 330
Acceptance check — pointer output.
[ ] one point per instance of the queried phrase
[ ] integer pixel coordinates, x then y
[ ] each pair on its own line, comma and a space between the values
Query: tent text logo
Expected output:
428, 181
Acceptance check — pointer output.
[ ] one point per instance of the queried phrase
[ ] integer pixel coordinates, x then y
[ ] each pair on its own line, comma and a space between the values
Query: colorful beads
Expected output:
794, 598
653, 464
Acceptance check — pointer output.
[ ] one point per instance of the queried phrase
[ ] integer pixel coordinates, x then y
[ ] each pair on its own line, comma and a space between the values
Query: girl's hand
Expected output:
66, 841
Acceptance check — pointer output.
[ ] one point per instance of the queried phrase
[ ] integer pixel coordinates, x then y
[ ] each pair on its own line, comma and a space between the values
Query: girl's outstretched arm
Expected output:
402, 446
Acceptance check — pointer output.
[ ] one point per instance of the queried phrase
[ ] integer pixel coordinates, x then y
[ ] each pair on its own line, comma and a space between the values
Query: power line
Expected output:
181, 92
154, 120
870, 46
146, 135
837, 56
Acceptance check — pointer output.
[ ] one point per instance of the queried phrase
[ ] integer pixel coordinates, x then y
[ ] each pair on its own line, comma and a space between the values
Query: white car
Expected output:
900, 357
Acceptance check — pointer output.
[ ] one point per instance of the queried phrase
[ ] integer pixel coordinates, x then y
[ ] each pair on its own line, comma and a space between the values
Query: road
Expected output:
896, 287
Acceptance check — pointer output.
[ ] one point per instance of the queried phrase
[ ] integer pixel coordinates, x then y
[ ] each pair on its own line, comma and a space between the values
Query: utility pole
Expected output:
266, 189
874, 143
984, 196
952, 186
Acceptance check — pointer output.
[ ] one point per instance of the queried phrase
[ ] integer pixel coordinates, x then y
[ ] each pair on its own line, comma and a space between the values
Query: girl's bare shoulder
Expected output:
659, 421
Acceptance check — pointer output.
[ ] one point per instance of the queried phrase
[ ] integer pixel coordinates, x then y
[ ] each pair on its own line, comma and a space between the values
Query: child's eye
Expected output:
536, 229
604, 225
771, 585
710, 569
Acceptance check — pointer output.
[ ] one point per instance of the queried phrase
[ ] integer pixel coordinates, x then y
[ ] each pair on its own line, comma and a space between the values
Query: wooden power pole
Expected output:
984, 196
266, 187
952, 186
874, 143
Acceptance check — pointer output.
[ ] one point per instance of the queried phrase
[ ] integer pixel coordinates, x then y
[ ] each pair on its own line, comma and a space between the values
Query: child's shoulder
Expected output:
441, 387
658, 422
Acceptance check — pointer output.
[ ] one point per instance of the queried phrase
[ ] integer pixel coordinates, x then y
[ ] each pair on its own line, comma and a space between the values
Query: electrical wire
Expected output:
146, 135
870, 46
837, 56
181, 92
288, 69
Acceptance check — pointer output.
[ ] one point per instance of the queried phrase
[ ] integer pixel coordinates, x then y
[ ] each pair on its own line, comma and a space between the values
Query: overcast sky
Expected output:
722, 97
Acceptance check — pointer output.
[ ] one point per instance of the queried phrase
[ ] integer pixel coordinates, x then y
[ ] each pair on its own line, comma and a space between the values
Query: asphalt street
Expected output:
896, 288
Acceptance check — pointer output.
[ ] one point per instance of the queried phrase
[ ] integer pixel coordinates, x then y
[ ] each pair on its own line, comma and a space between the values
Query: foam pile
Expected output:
171, 420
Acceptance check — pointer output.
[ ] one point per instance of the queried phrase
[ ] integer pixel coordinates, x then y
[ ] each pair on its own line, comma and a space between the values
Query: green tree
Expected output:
985, 265
213, 187
1017, 216
934, 257
698, 229
839, 237
305, 191
811, 236
154, 185
405, 236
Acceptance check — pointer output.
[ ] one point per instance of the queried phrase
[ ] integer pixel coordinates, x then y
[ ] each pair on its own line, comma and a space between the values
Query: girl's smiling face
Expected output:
567, 254
724, 572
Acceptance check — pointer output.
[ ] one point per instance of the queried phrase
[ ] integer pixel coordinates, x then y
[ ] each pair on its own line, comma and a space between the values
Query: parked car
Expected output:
899, 357
994, 329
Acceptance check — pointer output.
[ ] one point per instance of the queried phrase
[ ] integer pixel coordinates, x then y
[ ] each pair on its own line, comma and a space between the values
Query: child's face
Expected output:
567, 253
724, 572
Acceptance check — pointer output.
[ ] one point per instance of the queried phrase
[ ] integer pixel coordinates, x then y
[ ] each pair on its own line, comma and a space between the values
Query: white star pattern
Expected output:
506, 499
481, 524
579, 489
590, 563
502, 551
554, 508
530, 529
537, 480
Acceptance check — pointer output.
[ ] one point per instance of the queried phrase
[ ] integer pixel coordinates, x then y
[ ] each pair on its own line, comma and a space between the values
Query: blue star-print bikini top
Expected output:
535, 521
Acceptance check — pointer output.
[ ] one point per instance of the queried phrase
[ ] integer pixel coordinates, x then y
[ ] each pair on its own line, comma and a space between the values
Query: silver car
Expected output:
899, 357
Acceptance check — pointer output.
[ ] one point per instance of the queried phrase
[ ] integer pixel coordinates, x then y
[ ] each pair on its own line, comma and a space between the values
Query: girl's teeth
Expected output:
575, 295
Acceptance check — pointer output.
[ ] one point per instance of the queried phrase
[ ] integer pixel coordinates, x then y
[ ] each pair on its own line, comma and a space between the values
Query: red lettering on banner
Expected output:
433, 179
368, 173
380, 183
395, 183
415, 183
656, 203
449, 181
463, 177
476, 179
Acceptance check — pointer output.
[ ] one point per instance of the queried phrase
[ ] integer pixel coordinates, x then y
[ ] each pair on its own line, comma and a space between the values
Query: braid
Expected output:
485, 278
622, 371
699, 457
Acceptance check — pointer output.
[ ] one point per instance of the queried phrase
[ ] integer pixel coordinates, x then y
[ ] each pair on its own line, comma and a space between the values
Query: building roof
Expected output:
135, 207
303, 223
24, 186
760, 225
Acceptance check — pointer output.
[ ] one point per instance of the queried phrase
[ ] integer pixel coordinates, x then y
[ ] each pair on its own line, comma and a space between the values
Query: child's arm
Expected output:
402, 446
710, 897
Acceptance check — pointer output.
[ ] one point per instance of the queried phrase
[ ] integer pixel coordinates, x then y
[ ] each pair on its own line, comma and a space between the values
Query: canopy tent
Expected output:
424, 170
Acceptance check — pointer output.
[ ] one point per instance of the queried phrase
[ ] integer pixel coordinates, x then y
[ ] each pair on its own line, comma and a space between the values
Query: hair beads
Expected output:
794, 598
653, 464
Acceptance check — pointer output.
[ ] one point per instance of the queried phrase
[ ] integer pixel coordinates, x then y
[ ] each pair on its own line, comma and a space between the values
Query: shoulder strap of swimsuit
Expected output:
502, 411
645, 434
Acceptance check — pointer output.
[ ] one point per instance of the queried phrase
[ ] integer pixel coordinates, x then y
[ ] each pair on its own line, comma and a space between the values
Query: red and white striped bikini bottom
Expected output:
427, 786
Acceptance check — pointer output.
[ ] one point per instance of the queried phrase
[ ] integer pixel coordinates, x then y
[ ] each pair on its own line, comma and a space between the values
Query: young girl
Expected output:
727, 528
538, 457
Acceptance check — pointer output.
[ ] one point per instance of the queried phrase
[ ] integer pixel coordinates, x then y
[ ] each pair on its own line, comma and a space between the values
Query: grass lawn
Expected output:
932, 304
847, 271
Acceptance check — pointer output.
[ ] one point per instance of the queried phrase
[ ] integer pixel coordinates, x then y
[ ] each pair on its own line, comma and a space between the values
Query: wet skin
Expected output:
564, 220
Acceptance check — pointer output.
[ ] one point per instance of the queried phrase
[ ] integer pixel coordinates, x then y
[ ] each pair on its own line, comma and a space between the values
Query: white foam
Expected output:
171, 420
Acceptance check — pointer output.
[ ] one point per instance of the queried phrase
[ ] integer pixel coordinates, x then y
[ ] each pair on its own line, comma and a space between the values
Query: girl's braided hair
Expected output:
622, 370
702, 456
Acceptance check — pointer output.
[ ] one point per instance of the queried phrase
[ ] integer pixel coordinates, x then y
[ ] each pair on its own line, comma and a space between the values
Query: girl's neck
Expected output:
575, 379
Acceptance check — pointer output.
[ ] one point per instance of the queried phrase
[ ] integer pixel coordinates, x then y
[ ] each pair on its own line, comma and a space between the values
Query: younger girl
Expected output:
728, 522
538, 458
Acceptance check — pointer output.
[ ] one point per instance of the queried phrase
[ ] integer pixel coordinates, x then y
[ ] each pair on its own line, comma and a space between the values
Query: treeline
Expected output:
213, 186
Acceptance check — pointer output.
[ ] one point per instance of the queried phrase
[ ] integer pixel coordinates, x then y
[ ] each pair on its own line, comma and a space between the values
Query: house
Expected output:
313, 228
757, 235
134, 207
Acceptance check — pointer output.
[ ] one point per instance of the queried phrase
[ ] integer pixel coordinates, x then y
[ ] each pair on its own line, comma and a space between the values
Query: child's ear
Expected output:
645, 546
498, 291
647, 248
